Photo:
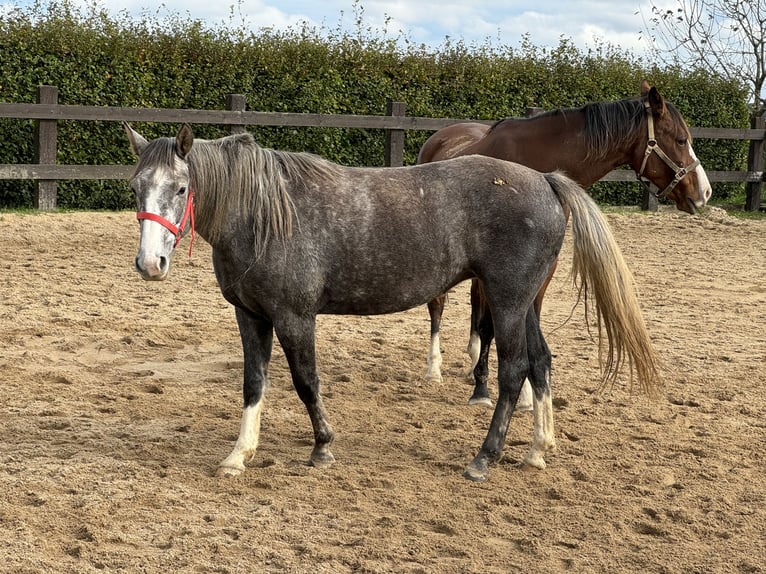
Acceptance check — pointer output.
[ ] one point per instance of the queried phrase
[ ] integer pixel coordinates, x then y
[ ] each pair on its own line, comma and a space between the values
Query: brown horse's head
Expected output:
668, 160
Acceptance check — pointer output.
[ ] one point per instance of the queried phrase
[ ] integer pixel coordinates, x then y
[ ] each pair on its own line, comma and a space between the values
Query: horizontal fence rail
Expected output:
47, 112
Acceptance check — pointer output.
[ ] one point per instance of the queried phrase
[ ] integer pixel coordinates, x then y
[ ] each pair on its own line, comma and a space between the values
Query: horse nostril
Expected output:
152, 267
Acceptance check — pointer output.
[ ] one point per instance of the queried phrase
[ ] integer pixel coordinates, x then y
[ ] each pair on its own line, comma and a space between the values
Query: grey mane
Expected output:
235, 175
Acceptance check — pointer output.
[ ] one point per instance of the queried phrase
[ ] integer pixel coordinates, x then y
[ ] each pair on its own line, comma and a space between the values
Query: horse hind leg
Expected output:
477, 310
539, 356
435, 310
513, 366
479, 344
526, 398
482, 328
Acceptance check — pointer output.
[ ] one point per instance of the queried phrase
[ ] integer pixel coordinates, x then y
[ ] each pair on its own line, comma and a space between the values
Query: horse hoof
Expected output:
533, 463
321, 460
434, 378
474, 475
228, 471
478, 469
484, 401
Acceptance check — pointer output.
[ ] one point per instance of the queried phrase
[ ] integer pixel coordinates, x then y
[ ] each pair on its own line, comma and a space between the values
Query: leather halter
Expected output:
653, 146
176, 230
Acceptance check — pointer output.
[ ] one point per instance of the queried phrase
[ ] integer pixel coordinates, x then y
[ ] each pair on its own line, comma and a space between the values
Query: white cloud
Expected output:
499, 22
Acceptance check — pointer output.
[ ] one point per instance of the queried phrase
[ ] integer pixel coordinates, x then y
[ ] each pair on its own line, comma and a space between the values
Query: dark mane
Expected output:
610, 122
607, 122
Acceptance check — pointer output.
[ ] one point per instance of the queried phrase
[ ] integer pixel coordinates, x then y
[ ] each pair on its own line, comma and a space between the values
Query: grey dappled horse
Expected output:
294, 235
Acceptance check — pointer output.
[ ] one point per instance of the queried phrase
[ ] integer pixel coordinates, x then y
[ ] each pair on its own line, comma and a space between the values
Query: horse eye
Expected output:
182, 191
682, 141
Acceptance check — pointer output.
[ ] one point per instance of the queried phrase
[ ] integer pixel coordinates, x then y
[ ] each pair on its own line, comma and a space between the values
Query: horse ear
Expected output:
645, 87
137, 141
184, 141
656, 101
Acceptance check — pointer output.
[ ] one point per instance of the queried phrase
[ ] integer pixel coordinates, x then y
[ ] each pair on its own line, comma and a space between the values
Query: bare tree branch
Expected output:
724, 37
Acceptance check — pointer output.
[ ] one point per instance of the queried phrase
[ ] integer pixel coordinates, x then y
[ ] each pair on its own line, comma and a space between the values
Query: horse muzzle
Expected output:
152, 268
703, 191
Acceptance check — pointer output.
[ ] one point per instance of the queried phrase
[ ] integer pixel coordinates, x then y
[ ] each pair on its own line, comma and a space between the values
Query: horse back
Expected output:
545, 143
381, 240
451, 141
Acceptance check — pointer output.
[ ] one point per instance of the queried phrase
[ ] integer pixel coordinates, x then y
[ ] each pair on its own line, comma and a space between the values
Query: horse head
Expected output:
165, 202
668, 160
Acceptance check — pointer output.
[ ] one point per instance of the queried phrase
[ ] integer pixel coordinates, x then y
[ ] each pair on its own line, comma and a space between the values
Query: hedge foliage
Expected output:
98, 59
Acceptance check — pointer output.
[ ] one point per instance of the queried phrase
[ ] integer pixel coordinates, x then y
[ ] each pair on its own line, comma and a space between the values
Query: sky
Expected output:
586, 23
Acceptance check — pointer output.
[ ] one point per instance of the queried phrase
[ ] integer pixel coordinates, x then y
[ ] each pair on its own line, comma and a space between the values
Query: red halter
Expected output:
176, 230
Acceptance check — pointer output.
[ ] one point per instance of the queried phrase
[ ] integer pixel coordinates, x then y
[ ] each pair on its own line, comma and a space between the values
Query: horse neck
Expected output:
244, 194
557, 140
206, 205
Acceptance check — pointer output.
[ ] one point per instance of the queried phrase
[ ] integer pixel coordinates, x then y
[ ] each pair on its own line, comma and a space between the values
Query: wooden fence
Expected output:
47, 112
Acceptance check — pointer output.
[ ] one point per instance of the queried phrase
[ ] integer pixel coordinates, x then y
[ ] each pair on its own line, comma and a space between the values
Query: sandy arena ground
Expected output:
118, 399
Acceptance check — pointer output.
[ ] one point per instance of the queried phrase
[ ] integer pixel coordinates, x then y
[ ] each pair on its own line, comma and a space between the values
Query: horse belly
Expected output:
396, 284
371, 299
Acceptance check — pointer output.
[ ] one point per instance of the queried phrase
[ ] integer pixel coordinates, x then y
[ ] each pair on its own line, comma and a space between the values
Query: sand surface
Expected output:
118, 399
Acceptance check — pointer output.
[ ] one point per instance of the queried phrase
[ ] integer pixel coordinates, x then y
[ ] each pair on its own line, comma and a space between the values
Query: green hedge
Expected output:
97, 59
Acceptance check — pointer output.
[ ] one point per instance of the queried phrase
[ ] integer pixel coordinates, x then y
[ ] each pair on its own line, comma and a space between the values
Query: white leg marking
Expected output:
524, 404
247, 442
473, 350
544, 438
434, 373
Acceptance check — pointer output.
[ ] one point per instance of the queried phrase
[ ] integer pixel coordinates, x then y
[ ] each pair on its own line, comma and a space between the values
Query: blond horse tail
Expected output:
599, 271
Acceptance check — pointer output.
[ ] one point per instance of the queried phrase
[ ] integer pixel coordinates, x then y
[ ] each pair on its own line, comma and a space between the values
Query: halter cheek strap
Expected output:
653, 146
176, 230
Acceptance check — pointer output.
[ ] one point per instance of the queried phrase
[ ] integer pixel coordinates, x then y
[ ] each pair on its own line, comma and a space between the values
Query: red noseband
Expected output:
176, 230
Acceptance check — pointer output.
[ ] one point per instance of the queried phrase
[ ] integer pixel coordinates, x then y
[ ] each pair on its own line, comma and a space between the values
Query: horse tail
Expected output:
599, 270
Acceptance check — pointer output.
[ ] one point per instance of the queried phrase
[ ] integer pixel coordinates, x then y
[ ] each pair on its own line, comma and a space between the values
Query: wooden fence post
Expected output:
755, 164
649, 201
395, 138
236, 103
46, 135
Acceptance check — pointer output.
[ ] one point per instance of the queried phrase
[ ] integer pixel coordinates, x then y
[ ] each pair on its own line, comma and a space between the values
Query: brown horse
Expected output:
646, 133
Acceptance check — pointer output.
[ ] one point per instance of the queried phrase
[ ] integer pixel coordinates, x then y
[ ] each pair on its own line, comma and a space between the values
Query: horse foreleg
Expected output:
435, 310
512, 368
257, 336
540, 375
296, 335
